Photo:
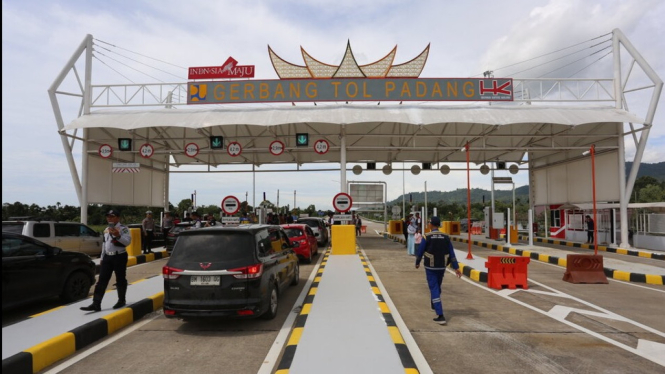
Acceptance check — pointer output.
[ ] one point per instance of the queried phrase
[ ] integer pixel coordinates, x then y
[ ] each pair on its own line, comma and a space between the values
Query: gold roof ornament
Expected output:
349, 67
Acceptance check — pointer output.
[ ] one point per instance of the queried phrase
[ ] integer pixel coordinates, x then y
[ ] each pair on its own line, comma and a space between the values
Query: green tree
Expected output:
651, 193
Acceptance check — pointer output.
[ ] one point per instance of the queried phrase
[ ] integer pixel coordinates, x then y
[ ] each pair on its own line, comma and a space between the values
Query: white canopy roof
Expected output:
382, 133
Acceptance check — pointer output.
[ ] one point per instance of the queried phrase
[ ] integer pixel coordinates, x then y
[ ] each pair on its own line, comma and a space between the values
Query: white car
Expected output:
70, 236
318, 226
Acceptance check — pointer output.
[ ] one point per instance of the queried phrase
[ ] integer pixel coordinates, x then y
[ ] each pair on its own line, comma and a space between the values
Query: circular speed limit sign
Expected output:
147, 150
105, 151
321, 146
230, 204
192, 149
234, 149
276, 148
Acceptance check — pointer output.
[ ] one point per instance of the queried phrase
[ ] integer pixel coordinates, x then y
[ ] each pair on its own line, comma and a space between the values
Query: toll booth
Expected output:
557, 222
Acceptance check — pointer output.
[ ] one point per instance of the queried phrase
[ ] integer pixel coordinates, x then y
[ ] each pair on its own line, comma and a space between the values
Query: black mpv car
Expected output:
229, 272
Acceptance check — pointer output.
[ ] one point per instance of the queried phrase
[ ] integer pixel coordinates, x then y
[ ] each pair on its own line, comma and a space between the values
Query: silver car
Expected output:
318, 225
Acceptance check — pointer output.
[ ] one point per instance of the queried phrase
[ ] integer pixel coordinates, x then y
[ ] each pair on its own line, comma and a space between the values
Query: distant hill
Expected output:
656, 170
459, 196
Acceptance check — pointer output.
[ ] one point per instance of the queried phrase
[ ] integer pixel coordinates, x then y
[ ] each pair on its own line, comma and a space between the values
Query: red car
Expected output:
303, 240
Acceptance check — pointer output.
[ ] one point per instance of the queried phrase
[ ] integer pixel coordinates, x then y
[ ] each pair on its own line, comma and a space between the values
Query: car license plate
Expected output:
204, 280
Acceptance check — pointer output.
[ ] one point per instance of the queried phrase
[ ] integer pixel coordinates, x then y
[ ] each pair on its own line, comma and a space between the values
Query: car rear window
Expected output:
310, 222
16, 228
293, 233
227, 247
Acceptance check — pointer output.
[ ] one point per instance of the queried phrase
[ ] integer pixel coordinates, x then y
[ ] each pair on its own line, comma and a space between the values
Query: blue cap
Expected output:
435, 221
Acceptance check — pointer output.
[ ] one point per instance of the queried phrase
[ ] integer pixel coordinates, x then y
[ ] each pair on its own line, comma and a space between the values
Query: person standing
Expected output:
405, 231
148, 225
167, 224
410, 242
438, 251
113, 260
196, 219
589, 229
359, 224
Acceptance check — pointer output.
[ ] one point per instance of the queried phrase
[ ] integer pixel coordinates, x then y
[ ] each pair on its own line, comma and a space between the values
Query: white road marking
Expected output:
649, 350
87, 352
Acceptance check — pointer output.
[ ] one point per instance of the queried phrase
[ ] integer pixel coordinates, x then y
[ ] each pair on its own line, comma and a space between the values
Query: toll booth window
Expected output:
42, 230
555, 216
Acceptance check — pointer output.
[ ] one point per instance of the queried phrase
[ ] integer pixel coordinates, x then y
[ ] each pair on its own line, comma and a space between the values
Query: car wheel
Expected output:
76, 287
272, 303
296, 274
308, 260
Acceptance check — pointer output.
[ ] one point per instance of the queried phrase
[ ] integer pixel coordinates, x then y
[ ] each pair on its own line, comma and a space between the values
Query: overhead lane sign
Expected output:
389, 89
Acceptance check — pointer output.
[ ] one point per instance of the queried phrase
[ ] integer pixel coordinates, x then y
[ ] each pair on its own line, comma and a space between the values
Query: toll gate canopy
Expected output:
546, 128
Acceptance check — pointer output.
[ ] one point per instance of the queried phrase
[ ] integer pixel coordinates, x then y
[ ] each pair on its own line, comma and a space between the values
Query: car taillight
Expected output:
249, 272
169, 312
167, 272
245, 312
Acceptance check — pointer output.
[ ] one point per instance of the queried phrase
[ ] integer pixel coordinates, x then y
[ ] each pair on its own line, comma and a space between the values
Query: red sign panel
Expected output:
230, 69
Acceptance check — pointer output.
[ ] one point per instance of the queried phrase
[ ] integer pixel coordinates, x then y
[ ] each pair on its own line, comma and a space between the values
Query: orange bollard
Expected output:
507, 272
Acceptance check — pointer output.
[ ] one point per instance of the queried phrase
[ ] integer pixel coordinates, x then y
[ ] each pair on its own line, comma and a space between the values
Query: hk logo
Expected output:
198, 92
205, 266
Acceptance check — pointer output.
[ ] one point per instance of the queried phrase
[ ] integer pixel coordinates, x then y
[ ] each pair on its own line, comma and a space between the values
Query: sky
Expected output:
467, 38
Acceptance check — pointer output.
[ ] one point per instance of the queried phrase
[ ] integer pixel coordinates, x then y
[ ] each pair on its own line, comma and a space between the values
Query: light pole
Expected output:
592, 150
468, 200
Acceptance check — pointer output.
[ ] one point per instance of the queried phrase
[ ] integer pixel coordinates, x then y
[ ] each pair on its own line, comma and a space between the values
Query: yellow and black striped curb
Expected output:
402, 350
296, 333
471, 273
292, 344
611, 273
40, 356
620, 251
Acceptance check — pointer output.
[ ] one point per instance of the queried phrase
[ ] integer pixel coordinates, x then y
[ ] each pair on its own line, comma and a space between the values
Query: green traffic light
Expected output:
302, 139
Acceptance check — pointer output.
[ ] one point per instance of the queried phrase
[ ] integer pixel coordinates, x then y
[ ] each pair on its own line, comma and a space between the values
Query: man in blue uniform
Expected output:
438, 251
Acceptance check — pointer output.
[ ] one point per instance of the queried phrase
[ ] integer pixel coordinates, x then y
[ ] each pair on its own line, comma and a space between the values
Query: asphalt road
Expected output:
553, 327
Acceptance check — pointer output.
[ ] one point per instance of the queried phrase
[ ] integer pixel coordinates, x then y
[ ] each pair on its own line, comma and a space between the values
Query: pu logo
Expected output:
198, 92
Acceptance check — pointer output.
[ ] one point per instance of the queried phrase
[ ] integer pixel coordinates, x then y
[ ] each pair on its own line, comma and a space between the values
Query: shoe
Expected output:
441, 320
119, 304
94, 307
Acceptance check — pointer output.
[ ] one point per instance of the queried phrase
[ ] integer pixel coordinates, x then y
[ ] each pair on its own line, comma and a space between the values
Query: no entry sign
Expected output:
230, 205
342, 202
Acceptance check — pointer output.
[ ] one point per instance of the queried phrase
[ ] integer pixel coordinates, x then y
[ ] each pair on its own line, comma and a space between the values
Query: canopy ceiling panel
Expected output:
389, 133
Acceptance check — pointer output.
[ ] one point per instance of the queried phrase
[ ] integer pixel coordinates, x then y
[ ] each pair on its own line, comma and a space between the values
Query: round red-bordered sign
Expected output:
192, 149
105, 151
230, 205
342, 202
234, 149
321, 146
276, 148
147, 150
